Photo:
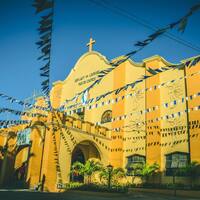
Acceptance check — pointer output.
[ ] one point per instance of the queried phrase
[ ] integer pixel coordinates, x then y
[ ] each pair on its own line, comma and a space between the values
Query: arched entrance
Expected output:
81, 153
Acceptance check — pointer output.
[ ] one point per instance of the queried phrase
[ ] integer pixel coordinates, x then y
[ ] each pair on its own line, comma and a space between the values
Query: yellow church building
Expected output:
153, 121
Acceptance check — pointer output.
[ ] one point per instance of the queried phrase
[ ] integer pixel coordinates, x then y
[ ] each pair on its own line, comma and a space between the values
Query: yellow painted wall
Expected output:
152, 98
193, 87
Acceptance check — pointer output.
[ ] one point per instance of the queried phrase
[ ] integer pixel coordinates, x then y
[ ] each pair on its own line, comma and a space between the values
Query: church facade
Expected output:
156, 120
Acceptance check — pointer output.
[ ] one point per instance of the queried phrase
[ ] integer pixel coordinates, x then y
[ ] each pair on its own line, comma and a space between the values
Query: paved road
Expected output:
77, 195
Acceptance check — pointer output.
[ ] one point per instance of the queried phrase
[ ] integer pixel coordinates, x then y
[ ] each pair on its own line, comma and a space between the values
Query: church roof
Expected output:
136, 64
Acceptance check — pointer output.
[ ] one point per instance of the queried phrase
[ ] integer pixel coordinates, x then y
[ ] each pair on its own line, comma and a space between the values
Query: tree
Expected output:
135, 169
77, 168
88, 169
115, 174
149, 170
91, 166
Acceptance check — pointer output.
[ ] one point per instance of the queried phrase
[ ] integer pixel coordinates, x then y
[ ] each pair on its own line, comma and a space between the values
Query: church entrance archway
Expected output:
81, 153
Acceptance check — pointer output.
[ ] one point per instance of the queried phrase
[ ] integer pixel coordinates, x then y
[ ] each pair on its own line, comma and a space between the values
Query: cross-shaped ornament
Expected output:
90, 44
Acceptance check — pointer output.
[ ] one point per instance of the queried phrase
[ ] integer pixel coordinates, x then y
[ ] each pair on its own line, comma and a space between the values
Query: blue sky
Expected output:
74, 23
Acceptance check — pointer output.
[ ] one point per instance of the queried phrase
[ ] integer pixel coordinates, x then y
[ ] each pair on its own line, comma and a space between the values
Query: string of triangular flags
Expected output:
45, 31
176, 130
56, 155
151, 143
191, 62
181, 24
22, 103
21, 113
67, 132
66, 142
154, 108
45, 45
148, 144
154, 143
117, 91
45, 41
7, 123
176, 142
129, 95
101, 143
165, 117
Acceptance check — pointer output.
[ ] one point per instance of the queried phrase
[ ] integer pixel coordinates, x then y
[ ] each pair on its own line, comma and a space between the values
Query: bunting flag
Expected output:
42, 5
56, 155
22, 103
68, 132
66, 142
145, 138
189, 63
14, 100
181, 24
156, 119
192, 62
76, 107
44, 43
7, 123
21, 113
148, 144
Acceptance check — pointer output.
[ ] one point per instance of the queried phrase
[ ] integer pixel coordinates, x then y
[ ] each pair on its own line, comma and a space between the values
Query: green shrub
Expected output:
96, 187
73, 185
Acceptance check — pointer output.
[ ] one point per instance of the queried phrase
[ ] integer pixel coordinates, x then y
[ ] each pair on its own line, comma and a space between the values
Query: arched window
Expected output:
106, 117
136, 158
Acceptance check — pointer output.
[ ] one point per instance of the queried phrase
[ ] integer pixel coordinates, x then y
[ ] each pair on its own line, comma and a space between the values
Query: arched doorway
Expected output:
81, 153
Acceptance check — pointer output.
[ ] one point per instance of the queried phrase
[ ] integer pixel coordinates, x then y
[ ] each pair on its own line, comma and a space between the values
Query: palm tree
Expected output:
134, 170
88, 169
114, 175
77, 169
91, 166
149, 170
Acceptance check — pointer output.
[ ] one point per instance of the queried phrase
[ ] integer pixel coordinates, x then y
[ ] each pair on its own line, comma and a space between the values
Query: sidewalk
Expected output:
168, 192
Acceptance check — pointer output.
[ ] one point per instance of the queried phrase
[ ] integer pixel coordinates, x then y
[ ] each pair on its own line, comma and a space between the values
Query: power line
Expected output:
143, 22
132, 17
154, 28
